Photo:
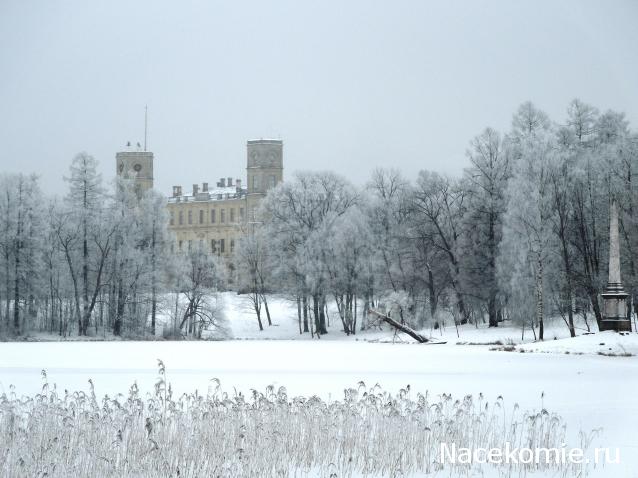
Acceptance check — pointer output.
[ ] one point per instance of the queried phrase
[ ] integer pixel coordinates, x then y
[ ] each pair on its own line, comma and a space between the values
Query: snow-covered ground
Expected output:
601, 343
589, 390
241, 324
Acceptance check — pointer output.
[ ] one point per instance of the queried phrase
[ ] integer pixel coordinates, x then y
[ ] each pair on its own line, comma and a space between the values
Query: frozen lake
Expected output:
588, 391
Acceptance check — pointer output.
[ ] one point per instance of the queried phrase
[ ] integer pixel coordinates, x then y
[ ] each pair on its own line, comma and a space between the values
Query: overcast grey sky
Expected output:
348, 86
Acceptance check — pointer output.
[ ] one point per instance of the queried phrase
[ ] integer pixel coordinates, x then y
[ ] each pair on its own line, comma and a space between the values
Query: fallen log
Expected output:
402, 327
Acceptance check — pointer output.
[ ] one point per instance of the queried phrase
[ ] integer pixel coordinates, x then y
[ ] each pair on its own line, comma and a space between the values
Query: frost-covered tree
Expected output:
531, 210
527, 231
350, 251
87, 236
254, 264
590, 201
138, 259
486, 182
21, 248
154, 245
389, 216
126, 263
440, 205
301, 215
201, 276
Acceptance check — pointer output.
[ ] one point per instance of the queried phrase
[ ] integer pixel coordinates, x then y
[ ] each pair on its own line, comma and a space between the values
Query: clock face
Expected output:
137, 168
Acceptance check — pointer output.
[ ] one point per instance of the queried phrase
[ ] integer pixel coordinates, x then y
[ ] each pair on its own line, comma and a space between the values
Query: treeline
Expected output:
521, 235
96, 261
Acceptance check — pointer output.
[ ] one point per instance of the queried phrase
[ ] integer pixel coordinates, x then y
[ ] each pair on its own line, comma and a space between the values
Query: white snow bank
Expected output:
602, 343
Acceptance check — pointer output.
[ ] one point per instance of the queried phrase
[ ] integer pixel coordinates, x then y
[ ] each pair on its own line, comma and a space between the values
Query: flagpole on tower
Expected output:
145, 124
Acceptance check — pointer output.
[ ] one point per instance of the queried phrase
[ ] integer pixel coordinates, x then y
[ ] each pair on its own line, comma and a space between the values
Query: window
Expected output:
172, 248
190, 217
232, 246
272, 181
201, 216
172, 218
222, 246
232, 214
201, 244
212, 216
190, 245
213, 246
222, 218
241, 214
179, 246
255, 183
181, 218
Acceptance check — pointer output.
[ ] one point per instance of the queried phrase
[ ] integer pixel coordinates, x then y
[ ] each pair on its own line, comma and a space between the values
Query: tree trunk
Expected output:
492, 311
7, 278
263, 298
315, 310
257, 307
364, 314
119, 311
16, 286
85, 282
539, 295
16, 294
305, 313
354, 321
342, 315
402, 327
153, 282
322, 315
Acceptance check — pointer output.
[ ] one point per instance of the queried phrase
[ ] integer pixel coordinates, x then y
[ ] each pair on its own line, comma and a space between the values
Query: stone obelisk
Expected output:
614, 297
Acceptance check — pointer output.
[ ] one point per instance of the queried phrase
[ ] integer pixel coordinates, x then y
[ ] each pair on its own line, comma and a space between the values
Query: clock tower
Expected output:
136, 165
264, 170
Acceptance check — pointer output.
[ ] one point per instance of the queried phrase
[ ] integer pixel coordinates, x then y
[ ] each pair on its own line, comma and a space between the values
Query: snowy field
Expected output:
588, 391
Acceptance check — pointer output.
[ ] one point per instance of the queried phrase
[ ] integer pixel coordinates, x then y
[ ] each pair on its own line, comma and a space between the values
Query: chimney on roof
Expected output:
195, 189
238, 184
177, 191
204, 187
230, 182
222, 183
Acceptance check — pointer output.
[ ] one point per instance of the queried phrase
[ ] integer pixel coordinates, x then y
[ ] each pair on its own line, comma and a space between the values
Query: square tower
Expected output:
264, 170
137, 165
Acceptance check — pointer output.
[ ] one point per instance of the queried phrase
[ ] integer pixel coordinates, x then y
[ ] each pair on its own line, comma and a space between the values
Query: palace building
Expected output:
212, 217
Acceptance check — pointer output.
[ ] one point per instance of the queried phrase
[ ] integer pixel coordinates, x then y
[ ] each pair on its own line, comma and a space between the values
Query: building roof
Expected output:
213, 194
265, 141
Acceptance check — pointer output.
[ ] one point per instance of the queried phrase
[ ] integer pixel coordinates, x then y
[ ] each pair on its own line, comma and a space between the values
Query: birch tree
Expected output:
527, 228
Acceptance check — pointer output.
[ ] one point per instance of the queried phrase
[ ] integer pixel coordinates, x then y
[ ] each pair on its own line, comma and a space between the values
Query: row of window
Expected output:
203, 216
216, 246
271, 182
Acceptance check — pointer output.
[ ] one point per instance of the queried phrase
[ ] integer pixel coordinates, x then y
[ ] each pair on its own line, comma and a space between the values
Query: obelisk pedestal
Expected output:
614, 297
